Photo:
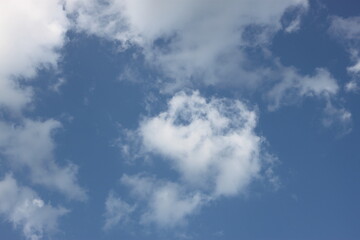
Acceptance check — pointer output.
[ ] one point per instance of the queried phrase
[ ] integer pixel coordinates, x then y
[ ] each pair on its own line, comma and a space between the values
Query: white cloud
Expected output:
291, 20
209, 143
23, 208
168, 204
348, 30
352, 86
320, 84
338, 116
31, 33
30, 145
354, 71
204, 40
187, 40
58, 84
116, 211
212, 146
294, 25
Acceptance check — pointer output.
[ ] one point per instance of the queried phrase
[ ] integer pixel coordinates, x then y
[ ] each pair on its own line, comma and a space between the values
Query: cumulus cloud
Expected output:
31, 33
23, 208
210, 143
30, 145
187, 40
206, 41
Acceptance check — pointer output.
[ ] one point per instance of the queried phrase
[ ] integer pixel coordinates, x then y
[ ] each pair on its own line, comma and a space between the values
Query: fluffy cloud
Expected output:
187, 40
23, 208
30, 145
167, 203
31, 33
209, 143
206, 41
213, 147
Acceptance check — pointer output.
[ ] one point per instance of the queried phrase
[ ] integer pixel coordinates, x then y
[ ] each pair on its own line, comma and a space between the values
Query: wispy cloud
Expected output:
116, 211
30, 145
22, 207
347, 30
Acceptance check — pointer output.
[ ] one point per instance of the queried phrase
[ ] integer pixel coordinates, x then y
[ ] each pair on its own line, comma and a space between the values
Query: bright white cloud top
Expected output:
212, 145
32, 33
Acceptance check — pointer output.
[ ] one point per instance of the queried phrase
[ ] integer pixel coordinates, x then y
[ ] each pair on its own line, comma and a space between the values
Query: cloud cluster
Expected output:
206, 42
31, 34
188, 41
209, 143
23, 208
212, 146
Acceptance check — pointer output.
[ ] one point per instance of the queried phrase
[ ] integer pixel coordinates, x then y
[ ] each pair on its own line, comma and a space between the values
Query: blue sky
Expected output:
133, 119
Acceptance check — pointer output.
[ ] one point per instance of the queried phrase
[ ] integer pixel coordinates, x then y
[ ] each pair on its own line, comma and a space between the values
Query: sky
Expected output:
168, 119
